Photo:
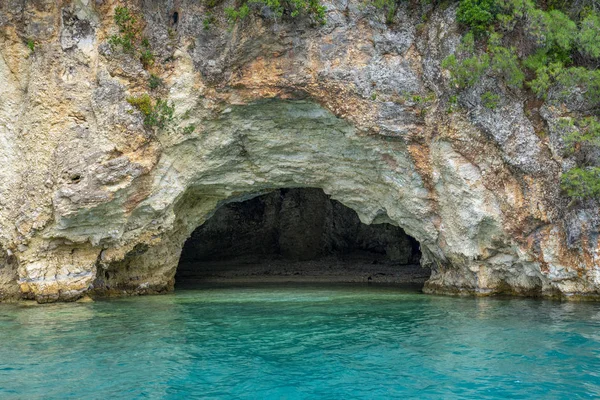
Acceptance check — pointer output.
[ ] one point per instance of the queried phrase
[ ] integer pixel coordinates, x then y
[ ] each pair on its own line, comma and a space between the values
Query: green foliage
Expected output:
582, 182
389, 7
292, 8
188, 130
505, 62
128, 30
147, 58
236, 14
156, 114
212, 3
560, 31
208, 21
582, 131
477, 14
468, 70
586, 80
557, 52
31, 45
512, 13
129, 39
154, 82
142, 103
422, 100
589, 35
545, 77
452, 104
490, 100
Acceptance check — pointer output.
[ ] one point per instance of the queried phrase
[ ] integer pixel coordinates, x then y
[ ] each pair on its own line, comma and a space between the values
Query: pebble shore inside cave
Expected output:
297, 235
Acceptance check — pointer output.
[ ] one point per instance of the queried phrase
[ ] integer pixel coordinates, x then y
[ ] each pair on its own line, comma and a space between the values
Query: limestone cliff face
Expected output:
94, 201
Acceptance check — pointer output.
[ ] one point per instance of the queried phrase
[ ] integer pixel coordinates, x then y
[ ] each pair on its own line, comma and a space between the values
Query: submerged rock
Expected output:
95, 201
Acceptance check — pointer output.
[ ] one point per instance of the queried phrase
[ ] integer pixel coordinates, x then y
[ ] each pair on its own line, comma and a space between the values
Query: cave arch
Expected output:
296, 235
253, 149
433, 193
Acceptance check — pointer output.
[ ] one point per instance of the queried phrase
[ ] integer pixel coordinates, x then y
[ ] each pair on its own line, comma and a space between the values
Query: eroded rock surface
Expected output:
94, 201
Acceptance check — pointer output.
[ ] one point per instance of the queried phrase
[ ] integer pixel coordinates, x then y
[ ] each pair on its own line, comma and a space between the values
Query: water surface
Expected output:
300, 342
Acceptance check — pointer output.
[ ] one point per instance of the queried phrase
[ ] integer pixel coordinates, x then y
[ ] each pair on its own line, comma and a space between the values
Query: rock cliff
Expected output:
356, 107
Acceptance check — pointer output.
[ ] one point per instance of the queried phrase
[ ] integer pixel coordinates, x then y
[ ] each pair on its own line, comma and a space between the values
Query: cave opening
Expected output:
297, 235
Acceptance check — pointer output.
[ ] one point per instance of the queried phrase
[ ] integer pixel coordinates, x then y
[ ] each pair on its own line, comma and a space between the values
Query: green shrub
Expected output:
157, 115
154, 82
129, 39
452, 104
478, 15
188, 130
490, 100
293, 8
31, 45
389, 7
557, 52
589, 35
505, 63
142, 103
236, 14
146, 58
587, 80
560, 29
587, 131
208, 20
582, 182
128, 30
466, 71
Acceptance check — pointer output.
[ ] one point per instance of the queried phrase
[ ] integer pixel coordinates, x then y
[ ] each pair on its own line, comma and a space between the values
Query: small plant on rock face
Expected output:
154, 82
147, 58
189, 129
31, 45
156, 114
490, 100
279, 8
466, 71
129, 39
208, 21
477, 14
452, 104
128, 30
582, 182
389, 7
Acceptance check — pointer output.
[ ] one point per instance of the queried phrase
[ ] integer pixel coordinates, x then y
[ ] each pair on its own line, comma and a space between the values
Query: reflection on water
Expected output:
298, 342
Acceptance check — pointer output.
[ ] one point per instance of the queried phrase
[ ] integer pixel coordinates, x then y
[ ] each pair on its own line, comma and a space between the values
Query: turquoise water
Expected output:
300, 342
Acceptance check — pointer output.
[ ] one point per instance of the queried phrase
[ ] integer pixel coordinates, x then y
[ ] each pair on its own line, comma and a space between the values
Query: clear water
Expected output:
299, 342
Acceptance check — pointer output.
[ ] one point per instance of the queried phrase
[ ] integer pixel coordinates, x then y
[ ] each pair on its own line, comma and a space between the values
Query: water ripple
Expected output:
299, 343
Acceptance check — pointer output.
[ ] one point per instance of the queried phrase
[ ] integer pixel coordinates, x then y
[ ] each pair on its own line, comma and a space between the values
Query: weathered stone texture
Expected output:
92, 201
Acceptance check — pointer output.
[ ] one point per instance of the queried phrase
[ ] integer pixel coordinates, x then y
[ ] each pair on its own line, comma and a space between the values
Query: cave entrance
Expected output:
296, 235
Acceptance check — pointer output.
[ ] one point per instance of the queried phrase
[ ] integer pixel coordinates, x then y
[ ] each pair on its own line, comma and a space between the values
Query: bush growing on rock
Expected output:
280, 8
129, 38
477, 14
558, 54
128, 29
156, 114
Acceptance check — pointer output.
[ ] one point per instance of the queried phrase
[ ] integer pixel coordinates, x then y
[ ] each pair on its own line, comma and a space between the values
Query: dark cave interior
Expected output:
297, 235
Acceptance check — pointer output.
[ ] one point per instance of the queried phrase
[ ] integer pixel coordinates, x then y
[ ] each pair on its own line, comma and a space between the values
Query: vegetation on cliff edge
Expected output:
556, 56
